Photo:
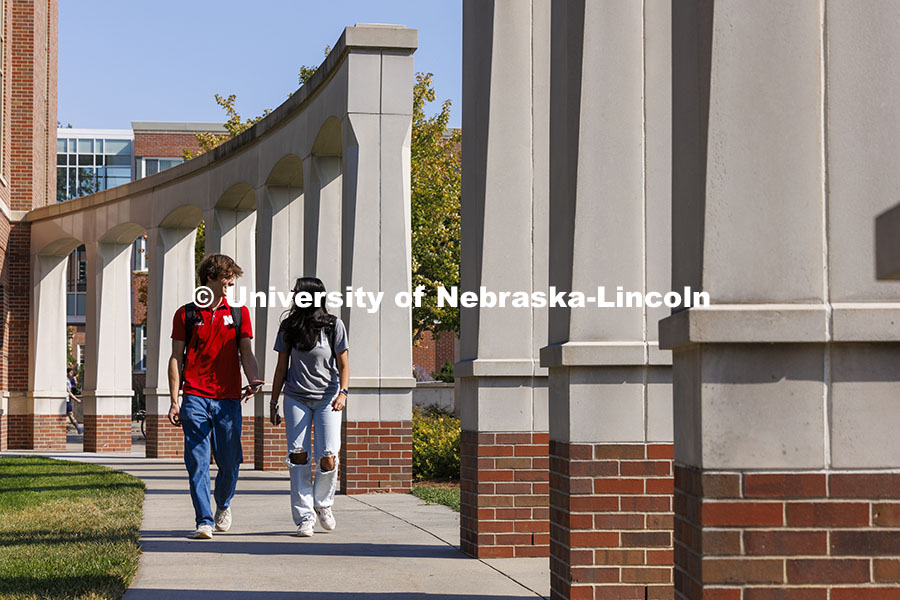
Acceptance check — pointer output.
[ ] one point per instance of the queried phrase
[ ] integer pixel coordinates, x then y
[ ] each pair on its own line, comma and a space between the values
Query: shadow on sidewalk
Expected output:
292, 547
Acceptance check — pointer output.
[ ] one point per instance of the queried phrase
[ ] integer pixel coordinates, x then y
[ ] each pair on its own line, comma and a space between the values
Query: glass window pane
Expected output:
119, 159
81, 305
61, 145
61, 184
70, 305
61, 159
98, 146
151, 166
98, 159
85, 159
73, 184
85, 146
117, 147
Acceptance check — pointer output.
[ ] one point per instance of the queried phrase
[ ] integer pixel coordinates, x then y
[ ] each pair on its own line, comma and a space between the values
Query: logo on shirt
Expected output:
227, 320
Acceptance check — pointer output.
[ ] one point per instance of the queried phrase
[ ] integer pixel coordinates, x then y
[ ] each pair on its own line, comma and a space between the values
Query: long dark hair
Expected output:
302, 326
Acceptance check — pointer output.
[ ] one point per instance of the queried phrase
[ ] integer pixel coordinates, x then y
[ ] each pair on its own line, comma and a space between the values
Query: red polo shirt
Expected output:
213, 369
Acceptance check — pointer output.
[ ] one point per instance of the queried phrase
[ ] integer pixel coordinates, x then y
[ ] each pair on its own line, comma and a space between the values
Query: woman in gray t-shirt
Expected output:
314, 373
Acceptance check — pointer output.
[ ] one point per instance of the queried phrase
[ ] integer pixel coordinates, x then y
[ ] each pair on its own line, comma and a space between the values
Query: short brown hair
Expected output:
216, 266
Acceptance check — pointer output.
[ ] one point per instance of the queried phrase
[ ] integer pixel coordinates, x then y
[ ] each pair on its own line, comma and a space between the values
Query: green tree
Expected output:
234, 126
436, 183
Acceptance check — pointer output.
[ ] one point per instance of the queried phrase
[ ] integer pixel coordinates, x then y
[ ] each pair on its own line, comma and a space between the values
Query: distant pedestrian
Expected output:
314, 371
71, 388
209, 347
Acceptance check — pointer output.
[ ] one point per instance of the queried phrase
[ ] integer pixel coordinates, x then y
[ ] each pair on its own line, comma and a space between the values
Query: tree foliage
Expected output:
435, 182
234, 126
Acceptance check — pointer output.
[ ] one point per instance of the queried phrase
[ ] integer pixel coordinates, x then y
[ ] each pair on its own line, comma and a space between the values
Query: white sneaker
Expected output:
306, 527
223, 519
326, 518
204, 532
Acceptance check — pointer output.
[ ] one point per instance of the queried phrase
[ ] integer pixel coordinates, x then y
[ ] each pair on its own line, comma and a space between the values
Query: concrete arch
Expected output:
288, 171
328, 139
240, 196
185, 216
62, 247
123, 233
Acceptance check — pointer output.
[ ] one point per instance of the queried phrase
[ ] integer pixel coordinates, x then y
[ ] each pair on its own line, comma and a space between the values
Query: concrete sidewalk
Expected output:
384, 546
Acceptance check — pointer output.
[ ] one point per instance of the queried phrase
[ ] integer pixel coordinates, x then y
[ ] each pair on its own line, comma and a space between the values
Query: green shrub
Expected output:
445, 374
435, 434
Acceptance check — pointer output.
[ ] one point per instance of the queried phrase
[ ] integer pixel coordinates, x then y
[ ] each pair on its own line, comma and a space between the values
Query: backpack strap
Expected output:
236, 314
190, 318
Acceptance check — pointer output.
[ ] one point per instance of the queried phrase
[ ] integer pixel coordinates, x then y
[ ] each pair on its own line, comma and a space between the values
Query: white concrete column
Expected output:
786, 123
171, 285
375, 251
502, 389
322, 220
610, 386
233, 232
44, 405
280, 255
108, 363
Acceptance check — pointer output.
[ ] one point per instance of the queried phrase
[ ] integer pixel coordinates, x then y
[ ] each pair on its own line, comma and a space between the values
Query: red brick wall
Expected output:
18, 259
611, 521
431, 354
248, 444
504, 494
32, 106
763, 536
377, 457
107, 433
164, 440
4, 300
164, 145
37, 432
270, 445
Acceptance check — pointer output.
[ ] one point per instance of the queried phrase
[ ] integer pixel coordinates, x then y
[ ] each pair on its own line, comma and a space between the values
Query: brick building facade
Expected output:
28, 84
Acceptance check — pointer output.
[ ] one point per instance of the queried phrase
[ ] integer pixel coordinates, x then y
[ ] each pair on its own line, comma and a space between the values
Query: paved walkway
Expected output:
385, 547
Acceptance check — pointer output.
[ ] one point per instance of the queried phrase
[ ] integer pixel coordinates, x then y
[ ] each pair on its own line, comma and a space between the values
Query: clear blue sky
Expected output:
124, 60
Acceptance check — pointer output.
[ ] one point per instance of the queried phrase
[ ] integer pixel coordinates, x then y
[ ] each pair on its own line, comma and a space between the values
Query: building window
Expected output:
85, 165
144, 167
139, 355
76, 285
80, 356
139, 255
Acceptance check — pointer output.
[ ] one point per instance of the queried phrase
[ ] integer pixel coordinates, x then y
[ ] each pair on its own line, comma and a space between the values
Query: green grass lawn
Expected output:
67, 530
436, 492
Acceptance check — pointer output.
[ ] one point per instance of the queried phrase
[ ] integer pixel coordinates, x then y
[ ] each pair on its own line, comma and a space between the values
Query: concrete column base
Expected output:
611, 521
107, 433
504, 494
37, 432
376, 457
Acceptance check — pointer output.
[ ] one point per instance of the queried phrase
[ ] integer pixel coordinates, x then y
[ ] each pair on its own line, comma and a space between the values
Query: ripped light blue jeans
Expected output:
300, 417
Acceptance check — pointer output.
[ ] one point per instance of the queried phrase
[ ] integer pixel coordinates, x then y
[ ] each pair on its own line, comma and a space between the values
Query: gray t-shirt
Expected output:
313, 375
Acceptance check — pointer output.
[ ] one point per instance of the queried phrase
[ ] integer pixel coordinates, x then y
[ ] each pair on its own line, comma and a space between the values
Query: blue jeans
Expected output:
300, 416
217, 423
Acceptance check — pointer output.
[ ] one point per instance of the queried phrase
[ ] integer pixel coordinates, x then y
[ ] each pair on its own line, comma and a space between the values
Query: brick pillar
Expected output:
502, 390
376, 457
786, 386
504, 494
170, 285
611, 520
270, 445
164, 440
107, 433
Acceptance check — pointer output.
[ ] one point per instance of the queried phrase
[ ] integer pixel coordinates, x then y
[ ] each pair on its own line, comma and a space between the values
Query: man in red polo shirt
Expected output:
208, 374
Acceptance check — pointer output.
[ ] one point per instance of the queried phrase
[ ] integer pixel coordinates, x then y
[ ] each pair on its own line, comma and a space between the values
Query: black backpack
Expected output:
192, 318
